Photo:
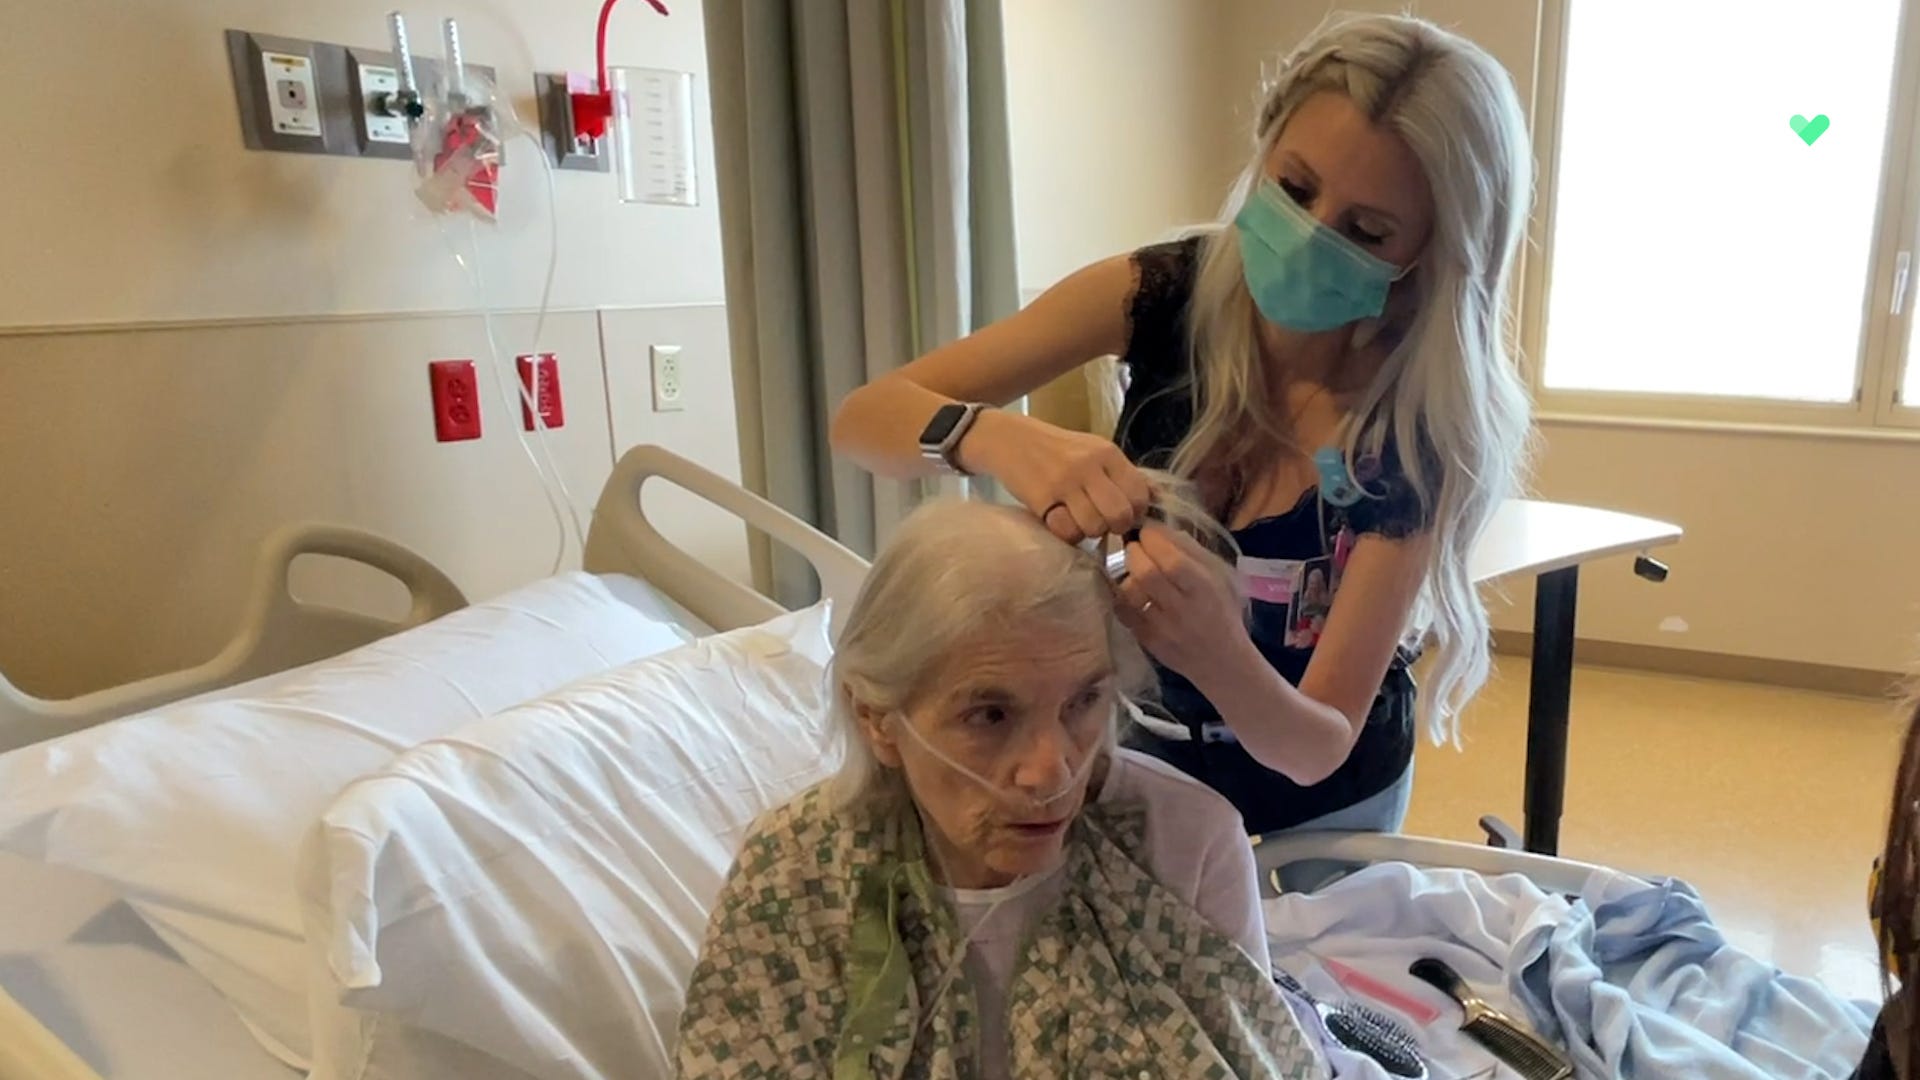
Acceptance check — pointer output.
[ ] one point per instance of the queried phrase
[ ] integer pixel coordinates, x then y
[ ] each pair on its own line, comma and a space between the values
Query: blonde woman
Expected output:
1328, 368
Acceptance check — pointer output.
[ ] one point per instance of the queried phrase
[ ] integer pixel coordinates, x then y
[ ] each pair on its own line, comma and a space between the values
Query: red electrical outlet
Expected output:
544, 389
456, 400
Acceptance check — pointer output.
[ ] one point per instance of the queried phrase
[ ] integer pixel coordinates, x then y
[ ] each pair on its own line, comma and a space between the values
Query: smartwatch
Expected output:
942, 435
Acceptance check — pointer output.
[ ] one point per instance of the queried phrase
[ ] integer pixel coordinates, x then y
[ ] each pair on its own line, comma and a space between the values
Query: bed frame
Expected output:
281, 632
1352, 851
621, 540
278, 632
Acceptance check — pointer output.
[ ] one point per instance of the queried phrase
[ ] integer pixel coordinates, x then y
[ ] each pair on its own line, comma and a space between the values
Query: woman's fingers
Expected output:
1146, 580
1116, 511
1171, 562
1187, 564
1133, 487
1059, 521
1088, 491
1086, 516
1142, 627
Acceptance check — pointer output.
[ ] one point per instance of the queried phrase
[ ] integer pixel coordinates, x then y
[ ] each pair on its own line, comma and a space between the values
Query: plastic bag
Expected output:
456, 150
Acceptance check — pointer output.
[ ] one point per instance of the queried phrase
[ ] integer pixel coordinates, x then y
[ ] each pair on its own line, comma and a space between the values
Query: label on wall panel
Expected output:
292, 101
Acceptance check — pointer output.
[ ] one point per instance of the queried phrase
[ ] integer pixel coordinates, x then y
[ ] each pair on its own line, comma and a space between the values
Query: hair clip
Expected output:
1336, 481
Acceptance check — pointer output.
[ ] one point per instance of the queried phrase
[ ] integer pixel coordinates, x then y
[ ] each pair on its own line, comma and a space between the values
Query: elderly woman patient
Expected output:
991, 887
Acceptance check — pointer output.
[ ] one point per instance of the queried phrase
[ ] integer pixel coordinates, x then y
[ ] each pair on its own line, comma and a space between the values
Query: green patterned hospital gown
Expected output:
830, 933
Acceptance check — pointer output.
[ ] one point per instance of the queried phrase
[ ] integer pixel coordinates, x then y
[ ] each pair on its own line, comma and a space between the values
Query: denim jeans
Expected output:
1382, 813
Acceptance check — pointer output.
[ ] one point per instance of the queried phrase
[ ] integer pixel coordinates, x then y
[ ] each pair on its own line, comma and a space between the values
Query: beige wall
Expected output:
199, 343
1109, 116
166, 216
1798, 548
1115, 122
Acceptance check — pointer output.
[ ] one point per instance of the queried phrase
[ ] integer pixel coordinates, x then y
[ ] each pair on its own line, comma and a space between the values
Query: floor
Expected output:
1771, 802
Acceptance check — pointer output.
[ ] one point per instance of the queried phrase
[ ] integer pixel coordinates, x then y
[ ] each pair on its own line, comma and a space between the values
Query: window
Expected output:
1910, 386
1701, 252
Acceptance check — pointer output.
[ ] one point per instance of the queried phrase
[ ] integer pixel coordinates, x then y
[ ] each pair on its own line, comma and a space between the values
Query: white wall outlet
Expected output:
669, 391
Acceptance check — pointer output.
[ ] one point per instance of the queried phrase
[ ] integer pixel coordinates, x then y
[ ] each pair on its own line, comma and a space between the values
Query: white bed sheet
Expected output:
89, 969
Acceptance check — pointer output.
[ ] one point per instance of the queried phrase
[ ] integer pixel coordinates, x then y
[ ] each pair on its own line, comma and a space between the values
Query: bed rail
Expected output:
1277, 850
622, 540
279, 632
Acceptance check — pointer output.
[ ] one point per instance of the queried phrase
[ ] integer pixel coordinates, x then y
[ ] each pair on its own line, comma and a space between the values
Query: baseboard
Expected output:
1855, 682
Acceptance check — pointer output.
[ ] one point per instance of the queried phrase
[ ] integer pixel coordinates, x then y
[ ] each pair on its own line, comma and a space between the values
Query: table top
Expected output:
1528, 536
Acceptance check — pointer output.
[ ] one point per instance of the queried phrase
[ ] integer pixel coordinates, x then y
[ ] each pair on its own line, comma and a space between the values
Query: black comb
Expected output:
1504, 1037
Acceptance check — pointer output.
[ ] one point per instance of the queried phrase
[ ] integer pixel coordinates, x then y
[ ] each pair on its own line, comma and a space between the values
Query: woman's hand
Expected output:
1080, 485
1181, 602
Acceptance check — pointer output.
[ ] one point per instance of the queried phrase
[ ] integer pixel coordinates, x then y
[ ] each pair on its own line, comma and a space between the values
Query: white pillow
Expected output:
195, 812
527, 897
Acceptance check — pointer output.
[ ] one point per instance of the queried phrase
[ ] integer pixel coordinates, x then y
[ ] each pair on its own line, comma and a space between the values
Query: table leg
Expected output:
1547, 707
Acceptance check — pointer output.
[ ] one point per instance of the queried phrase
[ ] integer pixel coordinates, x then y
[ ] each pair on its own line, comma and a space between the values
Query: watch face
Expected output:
942, 424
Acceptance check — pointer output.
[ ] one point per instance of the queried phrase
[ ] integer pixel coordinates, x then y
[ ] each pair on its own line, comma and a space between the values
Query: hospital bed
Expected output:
89, 990
86, 988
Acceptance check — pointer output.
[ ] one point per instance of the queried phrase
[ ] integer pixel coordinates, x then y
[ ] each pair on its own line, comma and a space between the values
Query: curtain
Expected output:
866, 213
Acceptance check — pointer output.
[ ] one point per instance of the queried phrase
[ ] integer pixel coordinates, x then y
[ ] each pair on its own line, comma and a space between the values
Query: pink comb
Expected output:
1359, 982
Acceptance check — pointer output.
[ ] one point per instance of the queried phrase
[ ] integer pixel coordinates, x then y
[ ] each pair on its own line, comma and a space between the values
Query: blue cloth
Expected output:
1631, 976
1640, 983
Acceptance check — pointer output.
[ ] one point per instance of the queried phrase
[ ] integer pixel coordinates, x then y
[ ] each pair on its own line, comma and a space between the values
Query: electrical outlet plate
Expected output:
553, 93
669, 388
456, 400
543, 388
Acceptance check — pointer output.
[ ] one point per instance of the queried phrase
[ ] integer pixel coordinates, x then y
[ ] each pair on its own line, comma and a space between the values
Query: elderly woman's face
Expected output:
1025, 708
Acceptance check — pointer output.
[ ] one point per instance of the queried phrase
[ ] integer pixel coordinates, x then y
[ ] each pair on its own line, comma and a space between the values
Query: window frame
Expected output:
1882, 357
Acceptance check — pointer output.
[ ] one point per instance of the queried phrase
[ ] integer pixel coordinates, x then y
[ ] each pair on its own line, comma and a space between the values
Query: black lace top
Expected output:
1291, 563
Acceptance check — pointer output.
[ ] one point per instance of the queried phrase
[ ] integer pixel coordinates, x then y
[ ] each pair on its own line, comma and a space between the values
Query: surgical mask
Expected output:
1303, 275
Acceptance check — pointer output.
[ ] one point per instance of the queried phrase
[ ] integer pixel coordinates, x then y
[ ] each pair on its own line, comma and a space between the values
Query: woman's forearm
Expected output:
878, 427
1285, 730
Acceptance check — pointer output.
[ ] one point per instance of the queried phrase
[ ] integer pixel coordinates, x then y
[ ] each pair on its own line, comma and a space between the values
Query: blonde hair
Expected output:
953, 572
1448, 396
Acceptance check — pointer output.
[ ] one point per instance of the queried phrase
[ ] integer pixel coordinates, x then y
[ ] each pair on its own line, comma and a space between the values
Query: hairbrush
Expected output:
1364, 1030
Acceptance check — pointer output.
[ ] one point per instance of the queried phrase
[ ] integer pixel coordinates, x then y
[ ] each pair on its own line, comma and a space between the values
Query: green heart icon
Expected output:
1808, 130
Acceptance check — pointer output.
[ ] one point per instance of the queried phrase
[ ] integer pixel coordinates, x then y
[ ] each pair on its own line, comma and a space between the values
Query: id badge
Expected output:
1270, 581
1312, 603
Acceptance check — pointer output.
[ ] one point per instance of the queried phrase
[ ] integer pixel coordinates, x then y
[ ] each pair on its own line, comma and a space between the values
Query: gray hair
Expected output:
953, 570
1449, 395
